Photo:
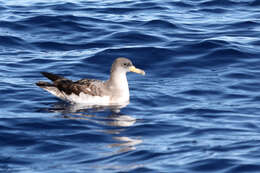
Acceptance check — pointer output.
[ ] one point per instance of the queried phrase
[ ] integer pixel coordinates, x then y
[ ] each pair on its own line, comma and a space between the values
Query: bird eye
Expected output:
125, 64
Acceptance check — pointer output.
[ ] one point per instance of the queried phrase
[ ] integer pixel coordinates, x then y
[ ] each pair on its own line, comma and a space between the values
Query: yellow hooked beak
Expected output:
136, 70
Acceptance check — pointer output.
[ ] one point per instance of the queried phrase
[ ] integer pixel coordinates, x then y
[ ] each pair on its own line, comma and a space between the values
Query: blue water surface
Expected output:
197, 109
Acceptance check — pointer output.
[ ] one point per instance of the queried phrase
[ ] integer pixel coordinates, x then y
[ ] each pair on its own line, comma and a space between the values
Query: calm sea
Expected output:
196, 111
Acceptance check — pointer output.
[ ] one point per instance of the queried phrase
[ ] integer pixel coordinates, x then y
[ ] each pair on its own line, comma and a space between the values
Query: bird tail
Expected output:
44, 84
51, 89
52, 77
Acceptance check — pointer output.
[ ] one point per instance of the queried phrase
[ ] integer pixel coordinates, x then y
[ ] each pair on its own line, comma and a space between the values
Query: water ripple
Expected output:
196, 110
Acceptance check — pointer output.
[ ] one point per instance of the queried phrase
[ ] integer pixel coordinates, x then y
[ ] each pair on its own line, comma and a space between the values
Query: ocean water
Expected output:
196, 110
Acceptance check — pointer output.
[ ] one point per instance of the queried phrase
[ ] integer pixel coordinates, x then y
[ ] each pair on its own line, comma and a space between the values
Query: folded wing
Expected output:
63, 87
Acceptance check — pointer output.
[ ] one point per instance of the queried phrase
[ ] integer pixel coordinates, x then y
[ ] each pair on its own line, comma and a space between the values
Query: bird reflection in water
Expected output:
114, 119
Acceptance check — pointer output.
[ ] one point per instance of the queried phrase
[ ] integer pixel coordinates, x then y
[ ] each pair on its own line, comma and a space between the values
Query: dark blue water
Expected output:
197, 109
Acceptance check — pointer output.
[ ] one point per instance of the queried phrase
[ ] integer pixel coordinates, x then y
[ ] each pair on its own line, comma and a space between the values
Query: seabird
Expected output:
114, 91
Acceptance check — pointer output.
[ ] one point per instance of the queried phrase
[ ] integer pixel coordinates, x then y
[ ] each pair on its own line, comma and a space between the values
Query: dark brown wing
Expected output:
87, 86
70, 87
52, 77
90, 86
67, 86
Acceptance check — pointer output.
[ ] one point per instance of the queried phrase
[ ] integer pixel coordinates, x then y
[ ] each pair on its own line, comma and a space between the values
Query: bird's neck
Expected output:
118, 80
